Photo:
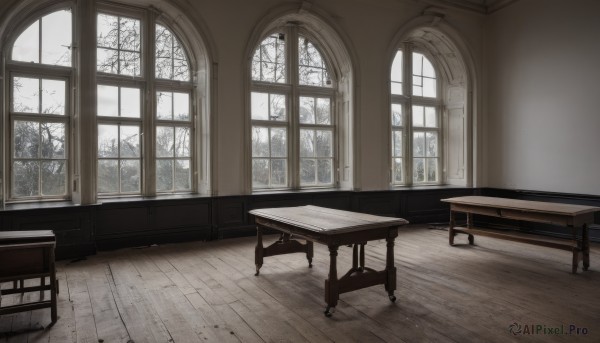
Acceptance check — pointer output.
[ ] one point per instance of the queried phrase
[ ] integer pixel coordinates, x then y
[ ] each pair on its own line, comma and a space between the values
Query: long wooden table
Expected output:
28, 255
332, 228
574, 217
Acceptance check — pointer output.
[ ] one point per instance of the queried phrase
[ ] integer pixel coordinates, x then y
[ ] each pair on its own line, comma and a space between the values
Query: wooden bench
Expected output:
28, 255
333, 228
574, 217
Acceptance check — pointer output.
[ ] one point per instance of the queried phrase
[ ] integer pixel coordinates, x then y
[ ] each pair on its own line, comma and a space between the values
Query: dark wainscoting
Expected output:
121, 223
543, 229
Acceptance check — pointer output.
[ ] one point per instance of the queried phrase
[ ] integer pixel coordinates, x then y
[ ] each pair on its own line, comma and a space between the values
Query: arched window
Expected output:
131, 101
415, 119
133, 131
39, 110
292, 111
431, 110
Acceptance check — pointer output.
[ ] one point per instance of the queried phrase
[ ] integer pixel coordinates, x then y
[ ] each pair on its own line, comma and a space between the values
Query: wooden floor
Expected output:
207, 292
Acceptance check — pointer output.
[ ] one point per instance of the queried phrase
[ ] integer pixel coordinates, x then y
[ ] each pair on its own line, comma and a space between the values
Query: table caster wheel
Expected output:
329, 311
392, 298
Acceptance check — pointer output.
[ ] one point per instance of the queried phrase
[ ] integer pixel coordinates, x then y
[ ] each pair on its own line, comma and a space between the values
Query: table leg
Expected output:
331, 284
309, 252
451, 228
259, 250
362, 256
390, 283
576, 250
585, 237
53, 290
470, 226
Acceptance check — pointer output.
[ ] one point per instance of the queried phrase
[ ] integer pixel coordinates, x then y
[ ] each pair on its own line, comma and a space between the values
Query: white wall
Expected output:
544, 96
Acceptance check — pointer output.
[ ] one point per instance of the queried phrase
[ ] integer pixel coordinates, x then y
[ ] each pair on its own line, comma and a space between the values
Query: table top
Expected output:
533, 206
30, 236
326, 220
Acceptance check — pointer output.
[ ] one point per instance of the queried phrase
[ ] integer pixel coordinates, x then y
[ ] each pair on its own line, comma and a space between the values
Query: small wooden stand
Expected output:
28, 255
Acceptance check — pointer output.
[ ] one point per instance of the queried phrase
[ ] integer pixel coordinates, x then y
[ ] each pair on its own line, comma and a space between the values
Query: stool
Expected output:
31, 256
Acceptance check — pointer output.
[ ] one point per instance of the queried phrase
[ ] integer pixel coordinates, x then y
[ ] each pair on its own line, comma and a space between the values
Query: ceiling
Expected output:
481, 6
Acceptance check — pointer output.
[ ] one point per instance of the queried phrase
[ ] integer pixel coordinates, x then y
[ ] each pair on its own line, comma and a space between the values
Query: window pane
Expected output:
181, 106
164, 68
107, 31
27, 45
324, 171
107, 61
428, 70
417, 64
418, 170
54, 178
26, 95
312, 67
130, 141
432, 144
182, 142
171, 61
277, 107
108, 101
164, 175
260, 142
260, 172
308, 171
430, 117
129, 34
432, 169
53, 140
278, 172
27, 139
129, 63
417, 116
164, 105
53, 97
324, 143
26, 178
278, 143
396, 75
183, 174
323, 111
429, 88
307, 110
268, 63
307, 143
108, 176
130, 176
56, 38
397, 143
396, 115
108, 141
398, 170
260, 108
165, 136
130, 102
119, 45
396, 88
418, 144
181, 70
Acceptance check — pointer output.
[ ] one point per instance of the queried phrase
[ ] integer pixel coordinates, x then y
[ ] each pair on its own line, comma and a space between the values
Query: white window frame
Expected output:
41, 71
293, 91
407, 100
149, 86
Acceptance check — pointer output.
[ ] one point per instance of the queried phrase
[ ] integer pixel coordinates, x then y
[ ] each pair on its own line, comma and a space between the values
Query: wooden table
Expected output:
28, 255
574, 217
332, 228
